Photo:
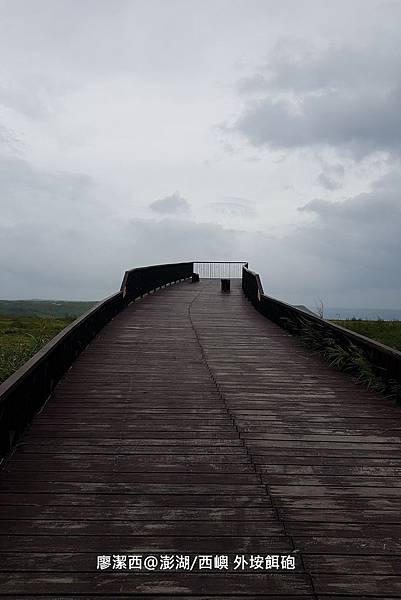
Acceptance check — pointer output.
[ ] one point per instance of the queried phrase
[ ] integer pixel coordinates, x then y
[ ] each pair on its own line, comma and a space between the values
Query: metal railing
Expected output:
213, 269
25, 392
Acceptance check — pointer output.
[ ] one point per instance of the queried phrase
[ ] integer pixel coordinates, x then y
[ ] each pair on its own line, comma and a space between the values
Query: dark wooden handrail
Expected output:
143, 280
385, 360
24, 392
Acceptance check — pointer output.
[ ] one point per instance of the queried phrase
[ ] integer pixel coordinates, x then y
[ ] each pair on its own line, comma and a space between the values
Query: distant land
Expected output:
67, 308
26, 325
371, 314
44, 308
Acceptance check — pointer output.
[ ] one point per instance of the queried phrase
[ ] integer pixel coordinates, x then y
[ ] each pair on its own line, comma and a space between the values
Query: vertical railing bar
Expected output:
219, 269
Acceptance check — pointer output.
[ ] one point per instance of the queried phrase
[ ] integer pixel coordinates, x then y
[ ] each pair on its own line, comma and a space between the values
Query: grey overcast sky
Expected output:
135, 132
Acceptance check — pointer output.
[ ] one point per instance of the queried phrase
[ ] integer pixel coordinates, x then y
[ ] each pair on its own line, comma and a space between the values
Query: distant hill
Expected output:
43, 308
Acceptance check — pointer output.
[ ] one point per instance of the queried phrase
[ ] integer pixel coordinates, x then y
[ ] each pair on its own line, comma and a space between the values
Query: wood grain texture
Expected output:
192, 424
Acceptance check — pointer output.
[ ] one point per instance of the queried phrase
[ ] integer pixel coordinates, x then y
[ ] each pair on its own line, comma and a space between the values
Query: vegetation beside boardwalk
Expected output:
345, 355
22, 337
27, 325
386, 332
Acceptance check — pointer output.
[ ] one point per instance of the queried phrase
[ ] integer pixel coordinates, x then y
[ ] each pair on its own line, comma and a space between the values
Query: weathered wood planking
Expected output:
191, 424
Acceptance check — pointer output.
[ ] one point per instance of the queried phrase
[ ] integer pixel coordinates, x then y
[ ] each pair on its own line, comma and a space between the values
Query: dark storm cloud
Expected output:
359, 236
351, 252
347, 97
171, 205
360, 124
299, 67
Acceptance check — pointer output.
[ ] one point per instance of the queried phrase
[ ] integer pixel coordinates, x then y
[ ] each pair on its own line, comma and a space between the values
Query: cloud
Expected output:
47, 222
105, 110
10, 143
32, 194
328, 182
331, 177
343, 96
297, 66
340, 119
356, 240
57, 240
24, 100
234, 207
171, 205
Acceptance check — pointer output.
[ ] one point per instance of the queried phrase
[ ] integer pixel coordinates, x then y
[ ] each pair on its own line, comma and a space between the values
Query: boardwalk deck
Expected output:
193, 425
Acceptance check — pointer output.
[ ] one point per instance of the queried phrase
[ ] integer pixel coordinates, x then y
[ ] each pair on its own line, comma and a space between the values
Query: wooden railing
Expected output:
23, 394
385, 361
143, 280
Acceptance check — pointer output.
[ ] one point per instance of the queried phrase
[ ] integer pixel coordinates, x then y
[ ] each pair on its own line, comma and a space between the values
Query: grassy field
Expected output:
26, 325
21, 337
386, 332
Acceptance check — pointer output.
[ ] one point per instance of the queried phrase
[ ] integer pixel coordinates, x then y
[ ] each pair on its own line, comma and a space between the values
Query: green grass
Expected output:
346, 356
21, 337
386, 332
27, 325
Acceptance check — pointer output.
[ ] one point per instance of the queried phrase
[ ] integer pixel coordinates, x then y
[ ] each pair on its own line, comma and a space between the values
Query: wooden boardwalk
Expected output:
194, 426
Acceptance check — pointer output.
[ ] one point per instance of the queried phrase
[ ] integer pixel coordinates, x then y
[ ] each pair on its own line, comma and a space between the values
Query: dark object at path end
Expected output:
225, 286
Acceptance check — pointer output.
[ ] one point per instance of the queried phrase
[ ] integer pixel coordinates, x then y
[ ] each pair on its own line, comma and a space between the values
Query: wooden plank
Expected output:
353, 565
274, 460
348, 545
259, 452
131, 544
332, 481
104, 487
150, 463
132, 444
348, 529
354, 471
361, 446
356, 515
326, 491
354, 585
129, 513
52, 498
265, 596
211, 528
172, 583
135, 434
337, 502
130, 481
